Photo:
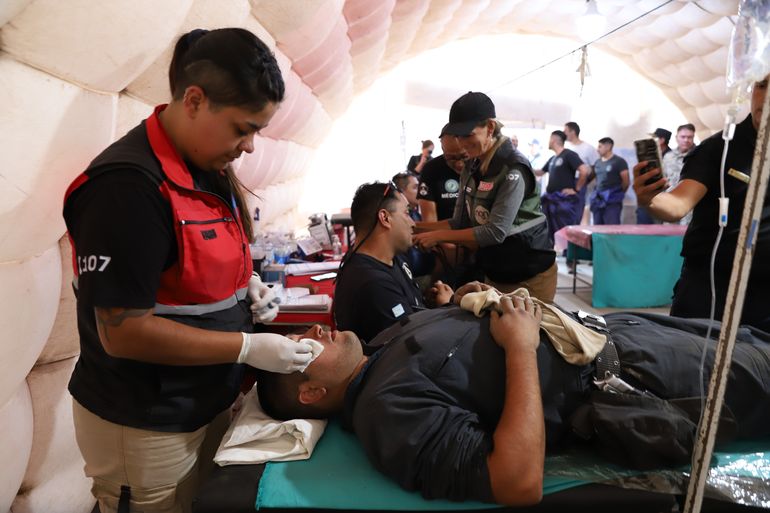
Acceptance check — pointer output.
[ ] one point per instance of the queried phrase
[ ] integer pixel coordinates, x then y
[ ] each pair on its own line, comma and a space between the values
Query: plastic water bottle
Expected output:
336, 246
269, 252
257, 255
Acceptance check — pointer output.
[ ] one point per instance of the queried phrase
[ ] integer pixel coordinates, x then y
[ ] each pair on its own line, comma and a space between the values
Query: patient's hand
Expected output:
440, 293
518, 327
474, 286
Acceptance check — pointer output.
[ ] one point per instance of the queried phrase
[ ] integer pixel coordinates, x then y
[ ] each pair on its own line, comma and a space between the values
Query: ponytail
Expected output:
236, 189
232, 65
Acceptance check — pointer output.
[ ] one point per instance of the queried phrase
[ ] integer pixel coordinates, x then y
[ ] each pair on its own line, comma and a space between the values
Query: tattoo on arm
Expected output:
114, 317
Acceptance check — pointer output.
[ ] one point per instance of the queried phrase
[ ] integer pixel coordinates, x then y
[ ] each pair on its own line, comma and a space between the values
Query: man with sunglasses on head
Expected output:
375, 286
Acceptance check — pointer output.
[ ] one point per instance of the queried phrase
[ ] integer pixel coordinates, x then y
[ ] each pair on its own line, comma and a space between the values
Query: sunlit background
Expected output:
385, 125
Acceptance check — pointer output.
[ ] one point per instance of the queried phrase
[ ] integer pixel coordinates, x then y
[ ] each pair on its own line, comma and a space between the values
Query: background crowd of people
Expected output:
483, 211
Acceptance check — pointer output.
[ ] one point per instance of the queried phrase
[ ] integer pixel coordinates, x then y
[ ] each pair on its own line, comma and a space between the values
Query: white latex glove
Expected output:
274, 353
264, 302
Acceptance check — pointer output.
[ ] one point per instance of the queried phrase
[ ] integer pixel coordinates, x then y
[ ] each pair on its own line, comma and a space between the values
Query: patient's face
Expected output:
341, 355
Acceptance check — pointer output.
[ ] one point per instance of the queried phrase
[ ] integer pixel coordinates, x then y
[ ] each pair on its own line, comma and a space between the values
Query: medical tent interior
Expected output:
75, 75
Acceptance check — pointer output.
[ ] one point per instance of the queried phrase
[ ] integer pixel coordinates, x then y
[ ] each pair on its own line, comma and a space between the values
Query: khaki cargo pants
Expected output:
163, 469
541, 286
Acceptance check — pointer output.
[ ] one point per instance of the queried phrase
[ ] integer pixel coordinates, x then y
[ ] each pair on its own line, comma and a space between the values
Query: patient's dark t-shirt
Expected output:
428, 402
426, 405
370, 295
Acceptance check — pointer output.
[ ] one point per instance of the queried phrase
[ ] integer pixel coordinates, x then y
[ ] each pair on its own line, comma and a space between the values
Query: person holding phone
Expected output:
416, 162
698, 191
166, 299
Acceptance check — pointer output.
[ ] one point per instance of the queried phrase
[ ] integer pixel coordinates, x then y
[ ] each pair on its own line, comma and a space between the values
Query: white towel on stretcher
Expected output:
253, 437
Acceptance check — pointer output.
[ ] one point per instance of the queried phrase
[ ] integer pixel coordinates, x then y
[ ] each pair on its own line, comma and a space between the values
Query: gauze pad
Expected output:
316, 349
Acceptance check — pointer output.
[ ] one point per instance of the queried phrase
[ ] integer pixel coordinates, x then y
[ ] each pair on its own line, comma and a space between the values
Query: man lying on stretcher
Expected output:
462, 407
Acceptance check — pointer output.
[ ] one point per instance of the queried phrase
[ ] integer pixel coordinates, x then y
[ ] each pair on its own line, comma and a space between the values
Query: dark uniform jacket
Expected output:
520, 249
426, 405
692, 294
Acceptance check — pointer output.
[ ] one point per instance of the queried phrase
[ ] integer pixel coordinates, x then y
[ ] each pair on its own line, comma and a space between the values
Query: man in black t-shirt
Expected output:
611, 172
440, 181
567, 175
371, 295
698, 190
375, 286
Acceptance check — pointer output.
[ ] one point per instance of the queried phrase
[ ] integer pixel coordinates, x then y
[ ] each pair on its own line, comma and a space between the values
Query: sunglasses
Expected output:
389, 186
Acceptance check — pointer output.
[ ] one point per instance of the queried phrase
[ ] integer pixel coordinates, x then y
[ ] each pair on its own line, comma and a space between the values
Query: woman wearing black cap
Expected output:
166, 300
498, 209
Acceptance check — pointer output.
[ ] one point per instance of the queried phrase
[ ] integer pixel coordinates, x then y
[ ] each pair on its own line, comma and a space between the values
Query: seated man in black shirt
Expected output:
462, 407
375, 286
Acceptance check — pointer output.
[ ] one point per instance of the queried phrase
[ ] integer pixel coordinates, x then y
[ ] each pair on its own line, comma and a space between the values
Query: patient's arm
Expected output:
516, 462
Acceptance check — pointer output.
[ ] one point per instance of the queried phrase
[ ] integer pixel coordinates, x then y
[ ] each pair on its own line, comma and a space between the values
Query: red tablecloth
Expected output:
306, 318
581, 235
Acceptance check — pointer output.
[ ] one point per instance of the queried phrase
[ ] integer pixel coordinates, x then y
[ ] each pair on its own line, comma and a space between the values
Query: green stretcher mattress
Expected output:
339, 477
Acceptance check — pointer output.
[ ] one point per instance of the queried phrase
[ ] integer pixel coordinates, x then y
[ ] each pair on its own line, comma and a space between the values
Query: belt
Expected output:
607, 362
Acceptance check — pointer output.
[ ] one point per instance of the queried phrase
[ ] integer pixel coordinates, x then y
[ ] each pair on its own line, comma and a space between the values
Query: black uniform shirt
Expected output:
702, 165
561, 170
123, 230
440, 184
426, 405
370, 295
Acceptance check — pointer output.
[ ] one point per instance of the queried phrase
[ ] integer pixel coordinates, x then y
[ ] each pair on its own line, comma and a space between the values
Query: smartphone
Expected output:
325, 276
648, 149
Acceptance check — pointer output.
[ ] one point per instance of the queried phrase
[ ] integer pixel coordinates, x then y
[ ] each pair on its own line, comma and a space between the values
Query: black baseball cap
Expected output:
467, 112
662, 133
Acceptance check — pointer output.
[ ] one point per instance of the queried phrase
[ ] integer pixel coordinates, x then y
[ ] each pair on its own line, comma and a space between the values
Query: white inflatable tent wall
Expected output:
77, 74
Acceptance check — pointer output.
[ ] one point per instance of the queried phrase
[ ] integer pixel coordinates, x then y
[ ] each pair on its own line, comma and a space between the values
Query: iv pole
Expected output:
744, 252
